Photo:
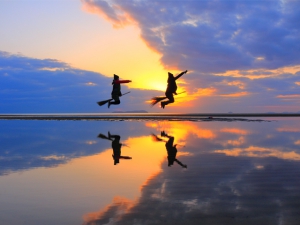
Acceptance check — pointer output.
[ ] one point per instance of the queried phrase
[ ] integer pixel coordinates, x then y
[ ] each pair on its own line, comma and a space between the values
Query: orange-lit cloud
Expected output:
239, 141
109, 11
203, 92
239, 84
297, 142
255, 151
293, 96
288, 129
53, 157
235, 131
90, 142
236, 94
119, 206
90, 84
261, 73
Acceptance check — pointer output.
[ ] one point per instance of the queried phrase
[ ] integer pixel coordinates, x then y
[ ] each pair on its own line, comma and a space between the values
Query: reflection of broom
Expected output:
107, 138
156, 139
156, 100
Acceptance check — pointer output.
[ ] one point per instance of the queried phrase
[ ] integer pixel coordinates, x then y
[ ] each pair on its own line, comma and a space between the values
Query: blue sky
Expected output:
242, 56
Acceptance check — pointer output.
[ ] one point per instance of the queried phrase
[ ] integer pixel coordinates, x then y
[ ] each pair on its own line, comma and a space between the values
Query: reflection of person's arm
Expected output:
125, 157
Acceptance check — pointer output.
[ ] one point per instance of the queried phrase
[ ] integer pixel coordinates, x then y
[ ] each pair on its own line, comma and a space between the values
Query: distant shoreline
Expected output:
141, 116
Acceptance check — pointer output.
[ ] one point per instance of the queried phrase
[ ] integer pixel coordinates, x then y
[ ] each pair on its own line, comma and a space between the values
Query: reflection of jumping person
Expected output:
116, 92
116, 146
171, 149
171, 88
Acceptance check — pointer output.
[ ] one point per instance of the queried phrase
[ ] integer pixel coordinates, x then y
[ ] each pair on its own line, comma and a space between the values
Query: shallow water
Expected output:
63, 172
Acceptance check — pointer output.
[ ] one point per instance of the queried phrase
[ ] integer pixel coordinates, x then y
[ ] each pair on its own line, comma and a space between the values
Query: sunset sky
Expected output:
60, 56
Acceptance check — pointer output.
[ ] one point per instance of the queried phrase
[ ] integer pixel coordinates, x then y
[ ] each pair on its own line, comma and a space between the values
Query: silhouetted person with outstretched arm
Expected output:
116, 91
171, 88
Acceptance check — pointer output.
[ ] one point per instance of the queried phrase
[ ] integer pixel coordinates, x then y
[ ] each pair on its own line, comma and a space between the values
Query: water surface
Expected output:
223, 172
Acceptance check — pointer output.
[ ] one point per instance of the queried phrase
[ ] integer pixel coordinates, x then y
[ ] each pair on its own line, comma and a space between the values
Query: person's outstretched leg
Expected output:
116, 102
171, 100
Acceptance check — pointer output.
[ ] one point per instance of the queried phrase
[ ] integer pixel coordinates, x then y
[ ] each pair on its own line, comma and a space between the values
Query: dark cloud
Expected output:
215, 36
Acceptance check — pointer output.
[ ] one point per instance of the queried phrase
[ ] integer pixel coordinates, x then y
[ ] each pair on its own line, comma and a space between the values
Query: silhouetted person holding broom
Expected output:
171, 89
171, 149
116, 92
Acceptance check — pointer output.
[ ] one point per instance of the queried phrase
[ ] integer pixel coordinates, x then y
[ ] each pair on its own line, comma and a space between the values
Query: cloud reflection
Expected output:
253, 184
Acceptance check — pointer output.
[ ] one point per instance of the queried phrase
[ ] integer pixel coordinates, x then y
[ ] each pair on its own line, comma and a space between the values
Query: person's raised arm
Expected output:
179, 75
121, 81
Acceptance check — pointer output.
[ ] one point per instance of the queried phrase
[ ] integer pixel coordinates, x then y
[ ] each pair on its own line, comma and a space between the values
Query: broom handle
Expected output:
180, 92
126, 93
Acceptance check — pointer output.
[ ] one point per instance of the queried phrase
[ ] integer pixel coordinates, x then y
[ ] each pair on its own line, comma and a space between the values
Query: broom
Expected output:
107, 138
156, 139
156, 100
101, 103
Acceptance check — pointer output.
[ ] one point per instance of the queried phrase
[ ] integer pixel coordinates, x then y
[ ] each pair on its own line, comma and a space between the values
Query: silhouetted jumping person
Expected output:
171, 88
116, 91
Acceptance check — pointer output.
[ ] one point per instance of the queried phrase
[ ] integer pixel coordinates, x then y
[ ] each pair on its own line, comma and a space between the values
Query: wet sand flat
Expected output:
148, 116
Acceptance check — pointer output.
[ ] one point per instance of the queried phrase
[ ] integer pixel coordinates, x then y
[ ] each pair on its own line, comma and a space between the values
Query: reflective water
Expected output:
130, 172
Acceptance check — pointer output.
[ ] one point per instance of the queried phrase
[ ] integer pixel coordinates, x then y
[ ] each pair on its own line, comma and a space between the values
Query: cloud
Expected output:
29, 85
254, 151
226, 46
28, 144
213, 36
218, 189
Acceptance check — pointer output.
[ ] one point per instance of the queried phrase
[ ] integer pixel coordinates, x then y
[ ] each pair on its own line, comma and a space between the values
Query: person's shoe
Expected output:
162, 104
108, 105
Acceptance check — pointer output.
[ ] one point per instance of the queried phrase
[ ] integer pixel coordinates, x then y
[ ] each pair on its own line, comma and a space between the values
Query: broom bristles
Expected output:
156, 100
103, 136
155, 138
104, 102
